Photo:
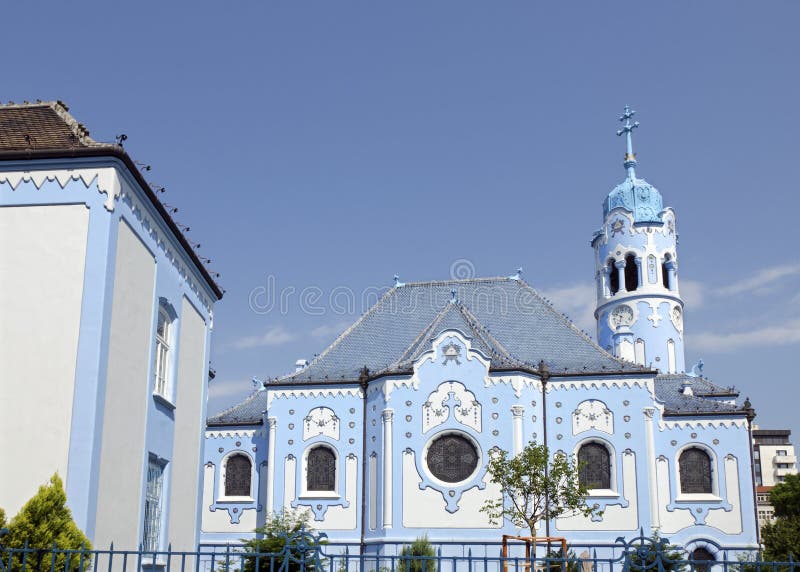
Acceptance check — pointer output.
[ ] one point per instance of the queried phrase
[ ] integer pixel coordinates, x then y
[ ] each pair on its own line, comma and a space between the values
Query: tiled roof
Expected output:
40, 126
248, 412
509, 320
669, 391
46, 130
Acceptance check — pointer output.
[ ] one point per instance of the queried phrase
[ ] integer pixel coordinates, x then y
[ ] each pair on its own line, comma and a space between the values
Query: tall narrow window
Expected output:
595, 466
694, 466
152, 506
163, 345
665, 271
238, 469
638, 351
321, 469
631, 273
671, 356
613, 277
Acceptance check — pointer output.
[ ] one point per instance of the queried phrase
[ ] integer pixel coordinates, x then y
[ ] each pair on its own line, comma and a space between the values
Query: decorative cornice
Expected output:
702, 424
107, 180
313, 393
517, 383
555, 385
235, 433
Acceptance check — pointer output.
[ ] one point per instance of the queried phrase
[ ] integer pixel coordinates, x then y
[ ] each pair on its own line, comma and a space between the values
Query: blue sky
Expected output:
326, 146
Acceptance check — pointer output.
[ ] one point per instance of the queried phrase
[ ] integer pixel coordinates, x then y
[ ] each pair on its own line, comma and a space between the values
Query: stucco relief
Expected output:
451, 396
321, 421
592, 414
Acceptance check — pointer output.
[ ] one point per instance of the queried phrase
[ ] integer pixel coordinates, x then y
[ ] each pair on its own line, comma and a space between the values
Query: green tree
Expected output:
782, 537
535, 487
272, 538
44, 522
417, 556
785, 497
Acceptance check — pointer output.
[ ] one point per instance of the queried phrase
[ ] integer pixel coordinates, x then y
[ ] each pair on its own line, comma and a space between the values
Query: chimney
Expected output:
686, 387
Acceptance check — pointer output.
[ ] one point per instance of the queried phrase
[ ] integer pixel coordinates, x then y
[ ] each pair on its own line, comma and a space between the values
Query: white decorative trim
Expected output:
451, 397
321, 421
389, 385
240, 433
116, 189
321, 392
702, 424
271, 460
592, 414
107, 180
554, 385
517, 383
388, 417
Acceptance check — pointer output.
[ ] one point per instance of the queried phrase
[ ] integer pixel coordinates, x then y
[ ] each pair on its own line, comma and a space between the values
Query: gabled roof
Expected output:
46, 130
508, 320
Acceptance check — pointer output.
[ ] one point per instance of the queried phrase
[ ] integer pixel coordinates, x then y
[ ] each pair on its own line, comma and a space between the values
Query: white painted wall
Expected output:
188, 447
426, 508
41, 285
123, 453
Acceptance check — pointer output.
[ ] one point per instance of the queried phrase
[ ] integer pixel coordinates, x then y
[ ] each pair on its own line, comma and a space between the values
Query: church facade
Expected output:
385, 436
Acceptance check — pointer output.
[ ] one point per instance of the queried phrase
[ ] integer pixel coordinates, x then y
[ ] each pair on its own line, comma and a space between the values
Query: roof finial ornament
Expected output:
627, 128
453, 296
518, 275
397, 283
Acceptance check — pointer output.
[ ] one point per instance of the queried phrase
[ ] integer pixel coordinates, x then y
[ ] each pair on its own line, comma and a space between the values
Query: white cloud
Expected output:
273, 337
577, 301
762, 282
777, 335
329, 330
692, 293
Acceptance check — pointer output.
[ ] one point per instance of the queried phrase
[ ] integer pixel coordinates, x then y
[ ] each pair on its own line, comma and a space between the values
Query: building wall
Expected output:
123, 456
405, 414
42, 265
93, 280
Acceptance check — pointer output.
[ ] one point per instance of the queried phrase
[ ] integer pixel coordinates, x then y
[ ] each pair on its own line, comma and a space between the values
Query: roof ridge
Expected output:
481, 330
457, 281
424, 333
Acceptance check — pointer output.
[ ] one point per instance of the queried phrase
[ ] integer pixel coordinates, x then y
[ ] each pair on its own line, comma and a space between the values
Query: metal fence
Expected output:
306, 551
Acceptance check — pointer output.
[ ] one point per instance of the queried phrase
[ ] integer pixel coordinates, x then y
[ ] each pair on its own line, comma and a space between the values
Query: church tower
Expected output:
639, 310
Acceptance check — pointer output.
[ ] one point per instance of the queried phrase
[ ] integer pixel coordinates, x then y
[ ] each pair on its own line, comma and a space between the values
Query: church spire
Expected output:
627, 129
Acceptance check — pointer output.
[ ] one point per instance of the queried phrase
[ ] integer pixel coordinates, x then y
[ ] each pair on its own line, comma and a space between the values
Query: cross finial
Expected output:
627, 129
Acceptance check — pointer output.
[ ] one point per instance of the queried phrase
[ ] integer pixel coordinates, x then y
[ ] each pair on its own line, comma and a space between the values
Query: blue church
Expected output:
385, 435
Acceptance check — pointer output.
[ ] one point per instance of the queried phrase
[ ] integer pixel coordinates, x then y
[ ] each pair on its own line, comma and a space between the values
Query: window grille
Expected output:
452, 458
321, 470
595, 466
237, 476
152, 506
695, 471
161, 369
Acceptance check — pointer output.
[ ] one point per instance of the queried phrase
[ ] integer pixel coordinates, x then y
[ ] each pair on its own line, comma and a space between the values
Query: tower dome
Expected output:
639, 310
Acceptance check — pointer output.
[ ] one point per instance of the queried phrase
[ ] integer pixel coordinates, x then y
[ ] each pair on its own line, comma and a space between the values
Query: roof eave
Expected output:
119, 153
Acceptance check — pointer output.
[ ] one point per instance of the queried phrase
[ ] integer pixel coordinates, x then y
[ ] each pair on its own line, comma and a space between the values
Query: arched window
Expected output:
631, 273
595, 466
613, 278
699, 557
321, 469
694, 466
238, 469
665, 271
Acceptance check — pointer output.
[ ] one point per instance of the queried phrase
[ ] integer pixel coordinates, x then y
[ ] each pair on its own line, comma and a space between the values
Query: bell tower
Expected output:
639, 310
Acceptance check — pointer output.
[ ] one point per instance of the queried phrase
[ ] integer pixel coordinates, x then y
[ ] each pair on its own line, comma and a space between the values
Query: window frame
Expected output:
222, 496
613, 492
479, 465
305, 493
713, 496
164, 352
154, 461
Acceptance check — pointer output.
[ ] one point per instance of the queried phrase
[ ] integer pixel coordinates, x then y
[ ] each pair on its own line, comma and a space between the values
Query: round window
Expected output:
452, 458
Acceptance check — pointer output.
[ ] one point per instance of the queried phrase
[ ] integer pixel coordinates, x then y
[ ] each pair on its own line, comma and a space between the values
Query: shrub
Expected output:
272, 540
417, 556
44, 522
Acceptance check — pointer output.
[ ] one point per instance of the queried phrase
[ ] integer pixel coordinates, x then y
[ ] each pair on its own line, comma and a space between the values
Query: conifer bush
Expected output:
45, 523
417, 556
